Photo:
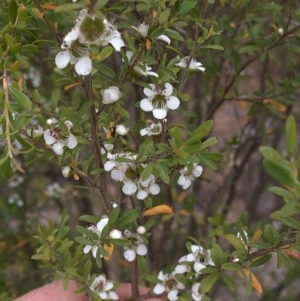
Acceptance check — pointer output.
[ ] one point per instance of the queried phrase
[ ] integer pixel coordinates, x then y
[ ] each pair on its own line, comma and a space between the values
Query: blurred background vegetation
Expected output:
248, 90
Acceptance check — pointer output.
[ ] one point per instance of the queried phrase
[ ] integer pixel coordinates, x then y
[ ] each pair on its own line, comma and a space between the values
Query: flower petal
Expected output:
149, 92
181, 180
87, 249
142, 250
117, 43
109, 165
129, 255
113, 295
142, 194
62, 59
154, 189
197, 171
172, 295
83, 66
164, 38
58, 148
159, 113
187, 184
180, 269
72, 141
168, 89
117, 175
129, 188
173, 102
198, 267
146, 105
159, 289
144, 132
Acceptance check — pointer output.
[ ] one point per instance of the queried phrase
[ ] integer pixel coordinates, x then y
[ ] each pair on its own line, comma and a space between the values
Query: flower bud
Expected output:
110, 95
280, 31
115, 234
121, 130
66, 171
141, 230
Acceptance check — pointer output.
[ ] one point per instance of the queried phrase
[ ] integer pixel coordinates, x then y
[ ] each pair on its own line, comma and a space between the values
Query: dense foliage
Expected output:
150, 141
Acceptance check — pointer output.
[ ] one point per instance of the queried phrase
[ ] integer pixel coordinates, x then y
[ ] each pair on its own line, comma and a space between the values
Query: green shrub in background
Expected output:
138, 144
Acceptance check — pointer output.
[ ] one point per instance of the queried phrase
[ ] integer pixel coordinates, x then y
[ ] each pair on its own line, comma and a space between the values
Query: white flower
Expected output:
121, 129
168, 284
104, 288
159, 101
74, 53
35, 131
110, 95
115, 234
144, 69
201, 258
143, 30
195, 292
137, 247
194, 65
97, 230
152, 129
57, 140
147, 187
66, 171
94, 31
187, 176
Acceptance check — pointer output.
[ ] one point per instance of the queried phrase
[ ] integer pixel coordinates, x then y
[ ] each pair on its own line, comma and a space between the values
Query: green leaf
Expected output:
105, 53
113, 216
200, 132
278, 173
186, 7
164, 16
55, 98
142, 263
69, 6
228, 281
291, 222
83, 240
217, 255
12, 11
215, 47
249, 286
248, 48
273, 156
269, 233
282, 258
209, 142
128, 217
282, 192
6, 170
22, 99
291, 135
164, 172
234, 241
83, 110
89, 218
232, 267
147, 171
183, 279
118, 242
261, 260
207, 283
121, 111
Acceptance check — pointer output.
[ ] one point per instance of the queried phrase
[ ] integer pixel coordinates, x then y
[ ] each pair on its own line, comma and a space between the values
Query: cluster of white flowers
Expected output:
58, 140
137, 247
187, 176
104, 289
192, 264
130, 174
90, 29
159, 101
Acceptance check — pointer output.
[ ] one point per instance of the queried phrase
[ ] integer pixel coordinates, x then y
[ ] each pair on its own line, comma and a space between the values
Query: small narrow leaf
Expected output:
22, 99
